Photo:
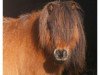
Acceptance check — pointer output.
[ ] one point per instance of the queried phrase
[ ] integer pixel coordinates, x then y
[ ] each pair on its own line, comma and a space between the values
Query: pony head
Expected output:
61, 31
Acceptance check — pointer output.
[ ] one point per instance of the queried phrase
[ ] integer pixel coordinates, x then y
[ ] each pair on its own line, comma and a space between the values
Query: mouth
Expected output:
60, 59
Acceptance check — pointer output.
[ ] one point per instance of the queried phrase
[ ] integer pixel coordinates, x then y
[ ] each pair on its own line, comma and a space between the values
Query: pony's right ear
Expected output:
75, 5
50, 8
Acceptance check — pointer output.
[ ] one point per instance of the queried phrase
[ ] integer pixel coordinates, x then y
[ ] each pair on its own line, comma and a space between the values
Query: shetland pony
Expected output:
45, 42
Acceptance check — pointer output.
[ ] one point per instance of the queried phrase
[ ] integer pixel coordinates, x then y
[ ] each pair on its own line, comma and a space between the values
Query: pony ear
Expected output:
75, 5
50, 8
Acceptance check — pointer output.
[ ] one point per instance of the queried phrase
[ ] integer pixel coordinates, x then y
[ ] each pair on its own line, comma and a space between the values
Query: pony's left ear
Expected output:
50, 8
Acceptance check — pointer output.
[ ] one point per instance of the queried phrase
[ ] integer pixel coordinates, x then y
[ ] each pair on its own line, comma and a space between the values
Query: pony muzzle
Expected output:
60, 54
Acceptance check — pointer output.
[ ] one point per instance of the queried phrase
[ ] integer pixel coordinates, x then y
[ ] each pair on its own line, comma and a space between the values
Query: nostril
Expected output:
58, 52
64, 53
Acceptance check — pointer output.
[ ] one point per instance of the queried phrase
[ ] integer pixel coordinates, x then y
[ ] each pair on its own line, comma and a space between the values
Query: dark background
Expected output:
13, 8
